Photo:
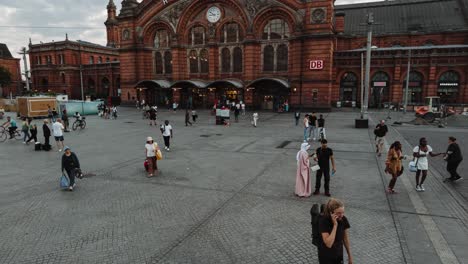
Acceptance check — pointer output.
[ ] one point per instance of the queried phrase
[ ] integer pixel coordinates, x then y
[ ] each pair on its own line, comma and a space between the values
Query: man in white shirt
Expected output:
166, 131
57, 128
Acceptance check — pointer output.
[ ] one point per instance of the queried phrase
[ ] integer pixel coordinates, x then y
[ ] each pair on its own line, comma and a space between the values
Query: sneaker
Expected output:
314, 139
168, 149
418, 189
328, 194
60, 150
317, 192
70, 188
421, 187
458, 178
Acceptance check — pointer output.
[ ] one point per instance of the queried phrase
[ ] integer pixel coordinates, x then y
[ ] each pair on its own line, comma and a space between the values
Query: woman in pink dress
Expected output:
303, 188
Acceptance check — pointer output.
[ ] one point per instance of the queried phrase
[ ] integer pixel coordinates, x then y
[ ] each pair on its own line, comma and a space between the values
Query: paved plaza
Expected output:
224, 195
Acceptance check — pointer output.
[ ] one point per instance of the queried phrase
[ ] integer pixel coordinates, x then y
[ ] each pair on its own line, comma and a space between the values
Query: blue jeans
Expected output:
25, 135
312, 131
306, 133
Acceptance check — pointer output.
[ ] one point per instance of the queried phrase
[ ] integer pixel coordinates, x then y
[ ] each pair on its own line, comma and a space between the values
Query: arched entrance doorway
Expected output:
415, 88
91, 91
155, 92
269, 93
448, 87
348, 88
190, 94
225, 91
379, 89
105, 84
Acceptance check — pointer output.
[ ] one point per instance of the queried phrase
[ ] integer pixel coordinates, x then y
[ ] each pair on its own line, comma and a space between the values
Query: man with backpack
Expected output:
166, 131
380, 131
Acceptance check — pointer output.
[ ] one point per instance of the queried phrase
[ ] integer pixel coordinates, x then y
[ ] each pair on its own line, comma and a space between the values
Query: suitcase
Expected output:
46, 147
38, 146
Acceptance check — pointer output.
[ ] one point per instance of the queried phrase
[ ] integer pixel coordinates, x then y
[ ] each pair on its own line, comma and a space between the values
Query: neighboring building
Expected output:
261, 51
55, 67
13, 66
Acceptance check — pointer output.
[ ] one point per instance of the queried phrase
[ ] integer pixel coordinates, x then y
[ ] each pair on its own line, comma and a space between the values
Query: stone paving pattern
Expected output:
224, 195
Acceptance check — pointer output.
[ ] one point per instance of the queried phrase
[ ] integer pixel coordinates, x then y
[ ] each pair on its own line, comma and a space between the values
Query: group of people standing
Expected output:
314, 128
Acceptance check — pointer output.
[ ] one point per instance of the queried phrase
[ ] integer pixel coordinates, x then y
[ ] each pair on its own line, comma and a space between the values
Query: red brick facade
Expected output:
13, 66
55, 67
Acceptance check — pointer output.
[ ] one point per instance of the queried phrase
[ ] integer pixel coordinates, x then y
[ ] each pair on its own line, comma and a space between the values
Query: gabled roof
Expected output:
5, 52
405, 16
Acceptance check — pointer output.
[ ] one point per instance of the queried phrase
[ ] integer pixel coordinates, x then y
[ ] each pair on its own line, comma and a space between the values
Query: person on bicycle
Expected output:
78, 116
11, 124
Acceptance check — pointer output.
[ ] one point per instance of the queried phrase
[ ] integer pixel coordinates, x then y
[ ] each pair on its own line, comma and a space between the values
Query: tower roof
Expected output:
111, 5
5, 52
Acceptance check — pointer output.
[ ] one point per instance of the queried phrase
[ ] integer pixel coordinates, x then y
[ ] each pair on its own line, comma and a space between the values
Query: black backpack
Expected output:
316, 212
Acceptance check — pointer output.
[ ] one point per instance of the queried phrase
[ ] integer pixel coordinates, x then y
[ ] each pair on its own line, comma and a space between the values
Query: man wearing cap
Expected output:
70, 164
380, 131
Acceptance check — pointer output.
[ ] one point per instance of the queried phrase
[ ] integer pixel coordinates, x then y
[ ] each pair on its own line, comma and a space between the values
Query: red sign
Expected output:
316, 65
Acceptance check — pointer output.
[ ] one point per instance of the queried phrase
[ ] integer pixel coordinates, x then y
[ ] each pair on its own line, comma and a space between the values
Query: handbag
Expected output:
315, 168
157, 152
64, 182
413, 165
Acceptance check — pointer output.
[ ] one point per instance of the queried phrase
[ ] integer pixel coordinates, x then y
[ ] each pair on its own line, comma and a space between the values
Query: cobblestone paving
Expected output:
222, 198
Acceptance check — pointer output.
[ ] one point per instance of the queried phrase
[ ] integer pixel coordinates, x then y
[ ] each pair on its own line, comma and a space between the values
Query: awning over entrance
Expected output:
280, 81
189, 83
161, 83
230, 82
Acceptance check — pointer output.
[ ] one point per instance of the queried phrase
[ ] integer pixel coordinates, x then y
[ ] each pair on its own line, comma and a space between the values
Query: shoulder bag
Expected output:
413, 165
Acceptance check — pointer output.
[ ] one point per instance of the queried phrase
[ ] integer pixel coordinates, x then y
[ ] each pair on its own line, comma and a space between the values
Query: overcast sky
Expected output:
59, 13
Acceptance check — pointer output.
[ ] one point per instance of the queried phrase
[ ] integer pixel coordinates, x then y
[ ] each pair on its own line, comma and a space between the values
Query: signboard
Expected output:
316, 64
222, 113
380, 84
448, 84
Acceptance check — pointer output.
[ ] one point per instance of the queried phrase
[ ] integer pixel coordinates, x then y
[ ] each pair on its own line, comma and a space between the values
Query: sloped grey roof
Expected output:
5, 52
404, 16
234, 82
161, 83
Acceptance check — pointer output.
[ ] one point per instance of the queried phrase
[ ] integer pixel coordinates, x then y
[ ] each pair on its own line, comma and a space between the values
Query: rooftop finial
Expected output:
66, 36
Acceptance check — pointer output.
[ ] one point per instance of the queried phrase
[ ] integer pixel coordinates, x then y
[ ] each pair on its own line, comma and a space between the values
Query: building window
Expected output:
225, 60
204, 64
161, 39
193, 60
107, 60
197, 36
158, 61
231, 33
61, 59
62, 76
276, 29
100, 60
449, 83
91, 60
268, 58
282, 57
168, 61
380, 89
415, 88
237, 57
348, 88
49, 59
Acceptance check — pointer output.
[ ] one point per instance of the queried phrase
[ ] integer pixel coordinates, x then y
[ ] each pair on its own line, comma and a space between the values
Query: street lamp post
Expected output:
405, 105
365, 105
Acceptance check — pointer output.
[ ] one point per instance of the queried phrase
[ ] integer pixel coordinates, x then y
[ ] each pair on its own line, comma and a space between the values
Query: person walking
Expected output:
422, 163
393, 164
312, 126
254, 119
33, 130
143, 103
306, 127
174, 106
49, 114
454, 157
150, 151
194, 115
167, 133
334, 234
152, 116
46, 133
380, 131
297, 116
25, 130
66, 123
114, 112
237, 112
324, 156
137, 104
243, 108
303, 188
321, 128
54, 114
70, 164
57, 129
187, 118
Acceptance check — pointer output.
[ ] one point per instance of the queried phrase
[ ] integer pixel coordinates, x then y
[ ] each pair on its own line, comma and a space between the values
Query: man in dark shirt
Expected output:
380, 131
46, 132
321, 128
453, 158
324, 155
312, 125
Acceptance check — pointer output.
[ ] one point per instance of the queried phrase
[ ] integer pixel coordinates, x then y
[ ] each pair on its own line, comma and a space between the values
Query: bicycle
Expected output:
79, 123
5, 134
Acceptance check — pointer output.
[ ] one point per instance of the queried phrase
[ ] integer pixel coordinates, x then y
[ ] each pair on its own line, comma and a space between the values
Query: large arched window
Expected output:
231, 33
282, 58
348, 88
193, 61
158, 63
268, 58
91, 60
197, 36
105, 85
204, 64
449, 83
276, 29
225, 60
415, 88
161, 39
168, 62
237, 59
380, 89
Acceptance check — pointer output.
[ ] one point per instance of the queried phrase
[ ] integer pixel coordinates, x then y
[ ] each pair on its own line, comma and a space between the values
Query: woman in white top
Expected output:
420, 153
150, 152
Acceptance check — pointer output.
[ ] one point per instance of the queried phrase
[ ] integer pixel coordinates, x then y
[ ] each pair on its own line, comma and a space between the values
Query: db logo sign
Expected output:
316, 64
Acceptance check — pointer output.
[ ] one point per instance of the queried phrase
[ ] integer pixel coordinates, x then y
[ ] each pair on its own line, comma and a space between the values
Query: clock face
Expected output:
213, 14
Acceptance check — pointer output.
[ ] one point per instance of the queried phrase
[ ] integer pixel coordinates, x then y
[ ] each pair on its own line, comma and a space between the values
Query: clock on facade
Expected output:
318, 15
213, 14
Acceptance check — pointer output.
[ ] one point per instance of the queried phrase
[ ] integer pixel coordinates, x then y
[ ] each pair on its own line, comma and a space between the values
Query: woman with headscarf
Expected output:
393, 164
303, 188
150, 152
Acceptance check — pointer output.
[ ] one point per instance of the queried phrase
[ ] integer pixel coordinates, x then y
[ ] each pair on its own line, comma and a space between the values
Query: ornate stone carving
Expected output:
172, 13
318, 15
254, 6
